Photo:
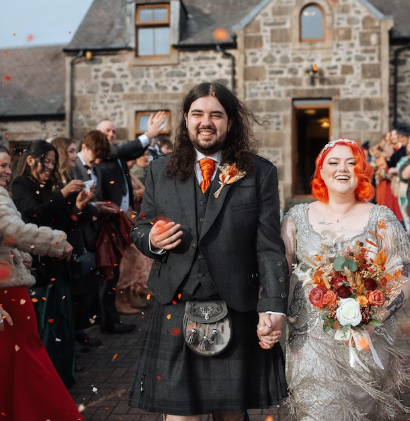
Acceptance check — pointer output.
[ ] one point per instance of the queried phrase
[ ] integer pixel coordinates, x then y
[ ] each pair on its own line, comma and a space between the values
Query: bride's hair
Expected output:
363, 170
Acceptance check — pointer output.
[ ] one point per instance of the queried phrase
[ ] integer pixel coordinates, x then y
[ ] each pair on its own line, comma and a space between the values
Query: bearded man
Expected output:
213, 245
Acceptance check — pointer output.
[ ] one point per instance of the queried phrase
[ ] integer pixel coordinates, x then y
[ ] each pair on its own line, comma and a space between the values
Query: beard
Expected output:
207, 147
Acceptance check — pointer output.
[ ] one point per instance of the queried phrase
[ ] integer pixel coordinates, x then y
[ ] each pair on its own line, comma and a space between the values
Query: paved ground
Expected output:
103, 386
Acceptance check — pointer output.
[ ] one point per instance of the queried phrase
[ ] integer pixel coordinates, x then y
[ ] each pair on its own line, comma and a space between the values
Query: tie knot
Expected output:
207, 167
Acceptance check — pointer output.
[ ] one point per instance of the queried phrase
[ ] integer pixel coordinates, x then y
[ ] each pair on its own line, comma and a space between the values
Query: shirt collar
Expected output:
81, 159
217, 157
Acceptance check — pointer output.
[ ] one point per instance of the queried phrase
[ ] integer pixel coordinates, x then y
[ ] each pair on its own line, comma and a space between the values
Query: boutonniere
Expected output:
229, 175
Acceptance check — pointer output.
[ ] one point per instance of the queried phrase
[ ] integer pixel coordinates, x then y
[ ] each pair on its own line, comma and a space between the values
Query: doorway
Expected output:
311, 131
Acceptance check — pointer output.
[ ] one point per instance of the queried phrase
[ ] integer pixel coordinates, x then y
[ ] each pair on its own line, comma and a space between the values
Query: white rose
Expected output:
348, 312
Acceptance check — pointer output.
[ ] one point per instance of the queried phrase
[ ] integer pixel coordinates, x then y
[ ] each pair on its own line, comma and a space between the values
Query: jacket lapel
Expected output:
186, 193
82, 170
214, 205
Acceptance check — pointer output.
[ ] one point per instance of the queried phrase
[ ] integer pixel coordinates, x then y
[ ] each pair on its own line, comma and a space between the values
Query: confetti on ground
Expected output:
114, 357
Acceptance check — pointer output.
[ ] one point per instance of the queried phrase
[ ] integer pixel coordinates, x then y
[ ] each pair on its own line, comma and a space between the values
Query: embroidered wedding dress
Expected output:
322, 383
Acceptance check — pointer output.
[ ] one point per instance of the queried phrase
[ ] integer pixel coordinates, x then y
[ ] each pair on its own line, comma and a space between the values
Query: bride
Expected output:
322, 383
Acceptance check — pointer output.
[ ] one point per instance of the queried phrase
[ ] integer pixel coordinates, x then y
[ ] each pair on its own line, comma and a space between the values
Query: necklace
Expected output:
343, 217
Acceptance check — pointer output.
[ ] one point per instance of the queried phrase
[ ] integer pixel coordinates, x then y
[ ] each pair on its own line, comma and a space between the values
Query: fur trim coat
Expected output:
17, 239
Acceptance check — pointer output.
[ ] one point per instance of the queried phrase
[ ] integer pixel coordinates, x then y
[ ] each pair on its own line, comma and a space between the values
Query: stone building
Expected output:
310, 70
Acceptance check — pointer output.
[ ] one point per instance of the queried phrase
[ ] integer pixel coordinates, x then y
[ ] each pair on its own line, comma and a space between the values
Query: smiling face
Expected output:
43, 171
5, 170
72, 154
338, 170
208, 125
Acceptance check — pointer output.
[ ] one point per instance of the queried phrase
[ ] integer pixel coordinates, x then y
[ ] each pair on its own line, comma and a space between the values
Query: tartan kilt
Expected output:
171, 379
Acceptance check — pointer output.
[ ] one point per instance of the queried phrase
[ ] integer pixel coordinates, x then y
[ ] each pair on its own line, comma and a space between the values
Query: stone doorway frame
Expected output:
304, 104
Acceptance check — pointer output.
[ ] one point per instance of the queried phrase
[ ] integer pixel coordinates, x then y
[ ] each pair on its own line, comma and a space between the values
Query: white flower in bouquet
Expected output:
348, 312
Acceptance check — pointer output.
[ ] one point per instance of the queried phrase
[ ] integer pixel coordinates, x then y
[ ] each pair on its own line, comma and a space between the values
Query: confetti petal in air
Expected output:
168, 316
22, 302
114, 357
221, 34
30, 38
176, 331
7, 78
81, 407
16, 347
148, 297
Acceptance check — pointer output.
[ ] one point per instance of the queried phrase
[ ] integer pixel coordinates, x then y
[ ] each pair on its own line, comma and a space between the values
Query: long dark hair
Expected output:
38, 150
239, 146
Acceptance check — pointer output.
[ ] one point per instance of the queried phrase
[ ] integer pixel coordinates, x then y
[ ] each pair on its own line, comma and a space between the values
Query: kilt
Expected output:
171, 379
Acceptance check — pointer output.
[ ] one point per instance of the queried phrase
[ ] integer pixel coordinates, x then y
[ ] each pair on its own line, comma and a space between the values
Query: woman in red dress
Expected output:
30, 388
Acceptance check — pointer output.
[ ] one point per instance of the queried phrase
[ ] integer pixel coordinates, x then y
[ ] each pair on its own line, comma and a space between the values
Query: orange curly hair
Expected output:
363, 170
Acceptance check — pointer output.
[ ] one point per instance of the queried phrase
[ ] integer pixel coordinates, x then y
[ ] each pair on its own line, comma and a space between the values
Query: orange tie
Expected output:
207, 167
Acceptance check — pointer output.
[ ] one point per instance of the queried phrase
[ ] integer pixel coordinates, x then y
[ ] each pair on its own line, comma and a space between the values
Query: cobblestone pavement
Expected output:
103, 385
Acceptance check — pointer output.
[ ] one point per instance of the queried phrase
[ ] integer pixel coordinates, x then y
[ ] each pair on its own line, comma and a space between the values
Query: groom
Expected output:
207, 248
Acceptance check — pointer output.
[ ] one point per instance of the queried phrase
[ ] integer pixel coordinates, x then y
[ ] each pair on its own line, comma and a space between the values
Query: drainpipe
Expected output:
71, 91
396, 71
225, 54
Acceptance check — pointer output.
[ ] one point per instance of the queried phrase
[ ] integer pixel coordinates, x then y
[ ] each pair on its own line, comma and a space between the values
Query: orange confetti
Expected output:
30, 38
69, 32
50, 320
168, 316
107, 408
269, 418
34, 300
114, 357
179, 296
44, 298
375, 235
111, 182
371, 242
381, 224
176, 331
52, 279
148, 296
7, 78
221, 34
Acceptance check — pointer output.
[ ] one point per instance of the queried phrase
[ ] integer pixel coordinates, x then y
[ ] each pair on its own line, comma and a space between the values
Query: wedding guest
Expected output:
26, 369
139, 170
34, 194
165, 145
84, 291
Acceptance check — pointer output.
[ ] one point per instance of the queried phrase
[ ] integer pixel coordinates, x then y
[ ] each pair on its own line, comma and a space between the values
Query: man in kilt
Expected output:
212, 242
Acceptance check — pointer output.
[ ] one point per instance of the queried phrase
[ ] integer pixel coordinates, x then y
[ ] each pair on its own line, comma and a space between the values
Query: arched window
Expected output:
312, 24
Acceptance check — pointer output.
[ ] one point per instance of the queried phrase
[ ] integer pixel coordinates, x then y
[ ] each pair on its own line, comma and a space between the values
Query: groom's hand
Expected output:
269, 329
165, 235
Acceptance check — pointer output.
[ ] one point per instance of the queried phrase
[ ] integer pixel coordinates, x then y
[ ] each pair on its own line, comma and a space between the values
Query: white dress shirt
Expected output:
92, 173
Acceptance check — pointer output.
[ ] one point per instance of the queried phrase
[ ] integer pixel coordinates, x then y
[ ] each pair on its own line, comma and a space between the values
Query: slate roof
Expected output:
37, 85
104, 25
400, 10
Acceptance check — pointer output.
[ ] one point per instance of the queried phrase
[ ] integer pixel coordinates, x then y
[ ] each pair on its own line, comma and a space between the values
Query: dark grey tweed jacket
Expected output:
240, 239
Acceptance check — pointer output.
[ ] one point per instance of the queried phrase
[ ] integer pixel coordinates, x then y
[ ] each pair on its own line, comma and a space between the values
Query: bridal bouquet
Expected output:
351, 291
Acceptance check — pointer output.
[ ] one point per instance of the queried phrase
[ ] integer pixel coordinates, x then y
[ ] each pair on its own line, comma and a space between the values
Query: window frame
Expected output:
152, 24
138, 114
318, 6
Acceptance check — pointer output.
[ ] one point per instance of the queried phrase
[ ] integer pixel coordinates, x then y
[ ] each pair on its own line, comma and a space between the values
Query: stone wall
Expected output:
21, 130
403, 86
352, 73
115, 87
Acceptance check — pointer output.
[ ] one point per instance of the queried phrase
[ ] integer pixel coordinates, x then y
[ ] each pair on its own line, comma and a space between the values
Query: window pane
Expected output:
165, 125
162, 41
160, 15
311, 22
145, 41
145, 15
143, 123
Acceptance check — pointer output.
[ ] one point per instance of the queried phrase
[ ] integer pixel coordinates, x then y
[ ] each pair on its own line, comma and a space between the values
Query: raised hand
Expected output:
155, 124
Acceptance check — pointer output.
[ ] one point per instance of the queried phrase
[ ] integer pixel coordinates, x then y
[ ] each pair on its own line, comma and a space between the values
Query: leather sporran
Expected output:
207, 327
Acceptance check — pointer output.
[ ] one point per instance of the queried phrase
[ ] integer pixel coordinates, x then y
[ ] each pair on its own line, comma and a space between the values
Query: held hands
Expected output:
4, 316
165, 235
74, 186
269, 329
155, 124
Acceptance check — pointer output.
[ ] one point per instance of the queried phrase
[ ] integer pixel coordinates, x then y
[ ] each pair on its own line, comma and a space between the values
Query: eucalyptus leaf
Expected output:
350, 264
339, 263
374, 323
346, 328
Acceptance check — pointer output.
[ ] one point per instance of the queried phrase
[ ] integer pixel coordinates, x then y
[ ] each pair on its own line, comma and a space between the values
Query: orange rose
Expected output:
329, 298
362, 300
376, 297
316, 296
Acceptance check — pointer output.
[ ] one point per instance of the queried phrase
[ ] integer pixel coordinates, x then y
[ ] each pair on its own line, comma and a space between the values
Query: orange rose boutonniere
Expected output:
229, 175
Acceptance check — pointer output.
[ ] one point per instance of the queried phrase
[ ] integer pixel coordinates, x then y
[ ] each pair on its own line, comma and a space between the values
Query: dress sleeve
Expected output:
288, 234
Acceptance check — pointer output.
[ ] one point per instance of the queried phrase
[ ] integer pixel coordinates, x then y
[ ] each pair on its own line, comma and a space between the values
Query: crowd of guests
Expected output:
391, 161
67, 209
